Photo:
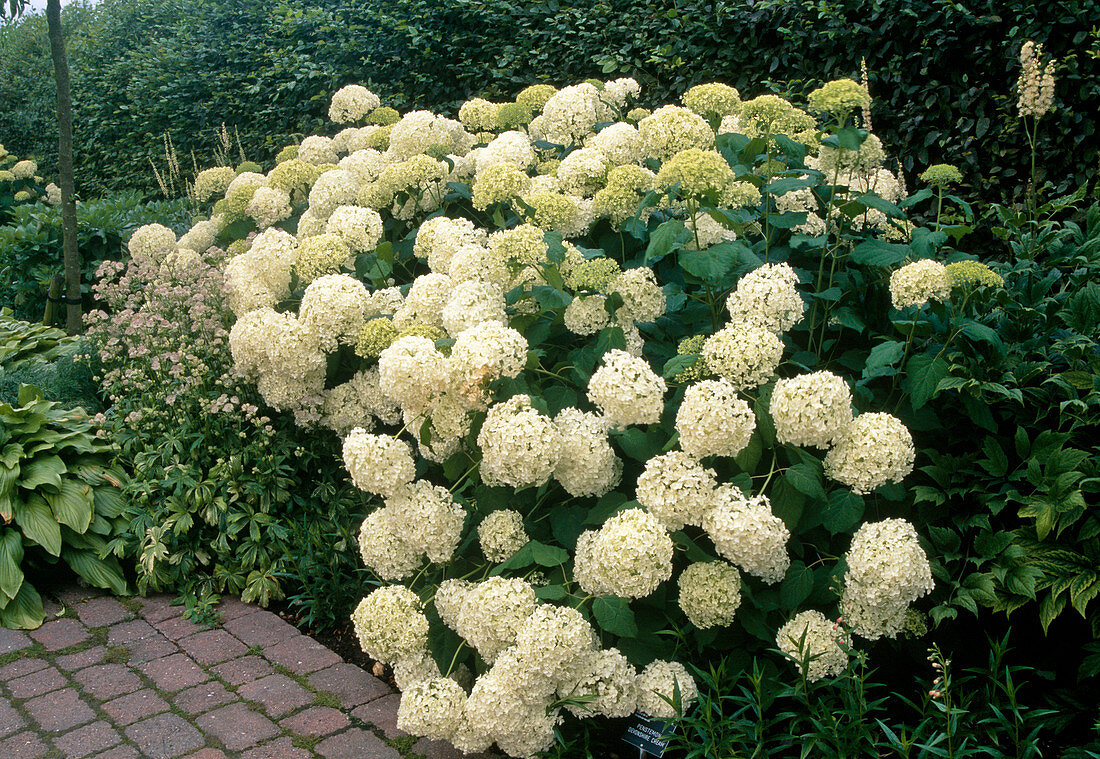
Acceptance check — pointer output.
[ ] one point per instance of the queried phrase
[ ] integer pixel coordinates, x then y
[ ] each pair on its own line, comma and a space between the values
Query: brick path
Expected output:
126, 678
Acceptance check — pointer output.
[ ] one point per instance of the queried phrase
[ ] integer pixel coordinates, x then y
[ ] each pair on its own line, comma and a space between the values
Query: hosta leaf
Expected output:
11, 556
38, 523
614, 615
24, 612
102, 573
42, 470
73, 505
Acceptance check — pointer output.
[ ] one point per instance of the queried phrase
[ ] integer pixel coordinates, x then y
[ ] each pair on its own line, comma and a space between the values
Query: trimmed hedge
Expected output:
945, 71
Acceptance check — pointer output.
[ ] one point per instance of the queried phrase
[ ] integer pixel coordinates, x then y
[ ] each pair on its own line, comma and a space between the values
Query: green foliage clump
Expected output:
61, 500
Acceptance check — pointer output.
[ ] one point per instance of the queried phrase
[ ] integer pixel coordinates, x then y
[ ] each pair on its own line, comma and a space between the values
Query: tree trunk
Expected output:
65, 168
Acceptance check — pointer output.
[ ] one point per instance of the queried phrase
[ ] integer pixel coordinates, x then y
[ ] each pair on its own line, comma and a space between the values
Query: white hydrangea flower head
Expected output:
643, 299
608, 684
332, 189
615, 94
491, 612
501, 534
499, 183
713, 100
25, 169
333, 308
710, 593
246, 180
919, 282
873, 450
357, 403
269, 206
379, 464
620, 143
626, 390
432, 709
248, 342
658, 682
471, 304
390, 624
747, 534
201, 236
745, 355
588, 465
439, 237
811, 409
359, 228
413, 372
153, 242
365, 164
629, 556
478, 115
554, 641
483, 354
676, 489
583, 172
323, 253
713, 420
318, 151
432, 521
212, 183
524, 245
351, 103
310, 225
672, 129
383, 550
476, 262
768, 297
501, 710
519, 445
568, 214
620, 198
385, 302
512, 148
586, 314
569, 114
415, 669
423, 132
810, 636
887, 571
425, 301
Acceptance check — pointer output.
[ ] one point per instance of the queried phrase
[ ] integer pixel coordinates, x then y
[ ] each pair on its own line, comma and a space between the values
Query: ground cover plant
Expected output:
478, 308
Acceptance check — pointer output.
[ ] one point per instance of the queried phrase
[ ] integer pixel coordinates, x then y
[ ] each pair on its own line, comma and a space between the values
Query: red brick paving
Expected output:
152, 685
237, 727
87, 740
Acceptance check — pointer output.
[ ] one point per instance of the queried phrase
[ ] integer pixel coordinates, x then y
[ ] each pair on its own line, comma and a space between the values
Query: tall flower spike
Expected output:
866, 86
1035, 87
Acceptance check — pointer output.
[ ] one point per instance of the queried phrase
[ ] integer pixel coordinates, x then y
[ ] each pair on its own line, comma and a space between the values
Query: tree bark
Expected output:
71, 251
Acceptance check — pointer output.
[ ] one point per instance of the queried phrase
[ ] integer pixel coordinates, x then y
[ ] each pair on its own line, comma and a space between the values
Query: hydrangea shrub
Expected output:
606, 372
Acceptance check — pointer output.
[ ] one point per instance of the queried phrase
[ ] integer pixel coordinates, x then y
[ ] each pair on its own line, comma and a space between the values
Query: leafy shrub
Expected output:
222, 497
32, 243
45, 357
60, 500
19, 184
499, 292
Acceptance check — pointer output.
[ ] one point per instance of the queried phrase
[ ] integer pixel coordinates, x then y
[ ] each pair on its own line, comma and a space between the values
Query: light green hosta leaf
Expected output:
102, 573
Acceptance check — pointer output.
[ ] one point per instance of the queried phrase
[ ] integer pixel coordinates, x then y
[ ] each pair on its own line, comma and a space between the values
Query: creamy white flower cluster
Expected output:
919, 282
818, 647
887, 571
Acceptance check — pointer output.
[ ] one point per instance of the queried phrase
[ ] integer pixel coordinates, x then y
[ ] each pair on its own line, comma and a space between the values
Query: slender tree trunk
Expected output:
65, 168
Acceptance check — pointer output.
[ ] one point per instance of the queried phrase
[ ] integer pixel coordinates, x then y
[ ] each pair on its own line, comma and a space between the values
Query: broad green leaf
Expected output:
711, 265
871, 200
42, 470
666, 238
797, 585
102, 573
691, 549
876, 252
614, 615
11, 557
547, 556
883, 358
806, 479
38, 523
842, 512
73, 505
550, 592
924, 373
24, 612
677, 364
8, 477
108, 501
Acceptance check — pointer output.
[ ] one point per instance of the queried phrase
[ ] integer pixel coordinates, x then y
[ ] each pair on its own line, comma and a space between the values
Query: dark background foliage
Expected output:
941, 73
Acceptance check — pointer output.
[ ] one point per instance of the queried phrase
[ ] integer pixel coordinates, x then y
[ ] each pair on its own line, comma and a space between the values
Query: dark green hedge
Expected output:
942, 73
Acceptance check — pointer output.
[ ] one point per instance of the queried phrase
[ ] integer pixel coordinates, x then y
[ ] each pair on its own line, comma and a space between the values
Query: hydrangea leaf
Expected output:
614, 615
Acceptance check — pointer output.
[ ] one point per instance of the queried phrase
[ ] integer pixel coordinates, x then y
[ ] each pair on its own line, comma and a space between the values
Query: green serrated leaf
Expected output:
924, 373
797, 585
